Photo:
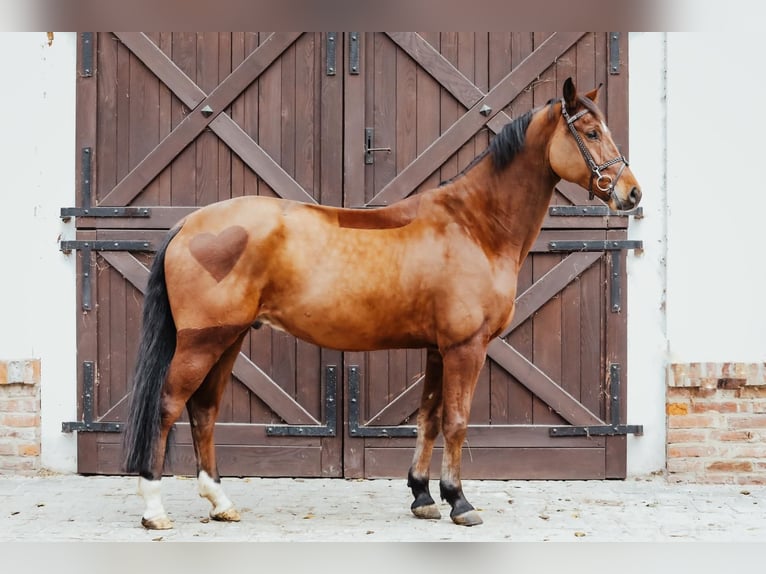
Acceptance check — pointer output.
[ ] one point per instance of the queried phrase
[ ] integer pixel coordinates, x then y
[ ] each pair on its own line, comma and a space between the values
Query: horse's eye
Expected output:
592, 135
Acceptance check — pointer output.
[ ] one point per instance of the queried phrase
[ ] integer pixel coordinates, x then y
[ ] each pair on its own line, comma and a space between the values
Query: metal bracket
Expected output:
353, 53
355, 428
613, 429
591, 211
86, 62
88, 424
330, 52
614, 53
596, 245
615, 291
68, 212
331, 413
87, 247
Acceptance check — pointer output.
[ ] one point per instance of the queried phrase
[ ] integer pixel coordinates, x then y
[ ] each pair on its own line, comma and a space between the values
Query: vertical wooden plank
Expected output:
165, 123
122, 139
207, 142
522, 45
547, 338
466, 61
384, 118
450, 109
269, 118
427, 111
592, 293
105, 136
501, 384
224, 153
144, 122
183, 169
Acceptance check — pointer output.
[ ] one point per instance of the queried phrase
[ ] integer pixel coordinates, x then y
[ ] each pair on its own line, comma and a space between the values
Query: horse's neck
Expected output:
504, 210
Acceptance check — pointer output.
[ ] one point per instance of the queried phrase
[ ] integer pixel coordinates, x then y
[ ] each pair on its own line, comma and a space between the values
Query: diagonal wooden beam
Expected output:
449, 77
465, 127
548, 285
540, 384
403, 405
246, 371
194, 123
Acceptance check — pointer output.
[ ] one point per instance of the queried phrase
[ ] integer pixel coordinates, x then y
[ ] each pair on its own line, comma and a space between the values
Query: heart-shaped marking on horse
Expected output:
219, 253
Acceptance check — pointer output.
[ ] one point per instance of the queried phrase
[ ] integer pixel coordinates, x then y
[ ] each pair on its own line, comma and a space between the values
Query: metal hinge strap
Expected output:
331, 413
330, 53
355, 428
353, 54
615, 428
68, 212
87, 424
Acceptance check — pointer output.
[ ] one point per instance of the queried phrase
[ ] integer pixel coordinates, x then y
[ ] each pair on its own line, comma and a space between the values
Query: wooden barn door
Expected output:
168, 122
542, 408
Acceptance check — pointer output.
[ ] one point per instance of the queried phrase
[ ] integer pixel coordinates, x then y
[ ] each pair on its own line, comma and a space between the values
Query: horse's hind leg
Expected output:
203, 411
461, 372
197, 351
429, 425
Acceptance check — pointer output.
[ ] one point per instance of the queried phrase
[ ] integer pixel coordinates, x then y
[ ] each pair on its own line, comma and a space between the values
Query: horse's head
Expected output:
582, 151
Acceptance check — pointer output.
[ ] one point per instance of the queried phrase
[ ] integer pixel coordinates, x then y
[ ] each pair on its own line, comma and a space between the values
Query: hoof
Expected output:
427, 511
230, 515
470, 518
158, 523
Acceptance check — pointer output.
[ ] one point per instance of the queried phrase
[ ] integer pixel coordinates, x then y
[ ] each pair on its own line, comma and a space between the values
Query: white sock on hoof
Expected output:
212, 490
150, 491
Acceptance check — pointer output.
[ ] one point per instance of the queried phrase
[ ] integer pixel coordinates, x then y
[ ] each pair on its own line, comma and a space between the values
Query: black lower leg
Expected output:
454, 495
419, 487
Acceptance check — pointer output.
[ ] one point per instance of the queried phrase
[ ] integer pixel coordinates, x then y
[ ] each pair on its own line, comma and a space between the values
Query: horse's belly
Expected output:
362, 332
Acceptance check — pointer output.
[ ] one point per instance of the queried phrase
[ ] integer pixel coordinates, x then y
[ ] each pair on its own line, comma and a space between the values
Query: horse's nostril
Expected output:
635, 195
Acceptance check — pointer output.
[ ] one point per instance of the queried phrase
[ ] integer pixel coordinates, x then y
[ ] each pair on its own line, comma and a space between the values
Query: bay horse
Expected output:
437, 270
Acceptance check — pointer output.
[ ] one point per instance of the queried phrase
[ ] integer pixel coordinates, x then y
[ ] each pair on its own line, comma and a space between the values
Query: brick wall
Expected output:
716, 417
19, 416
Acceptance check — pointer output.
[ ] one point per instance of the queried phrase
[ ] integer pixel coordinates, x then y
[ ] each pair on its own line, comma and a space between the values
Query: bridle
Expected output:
604, 183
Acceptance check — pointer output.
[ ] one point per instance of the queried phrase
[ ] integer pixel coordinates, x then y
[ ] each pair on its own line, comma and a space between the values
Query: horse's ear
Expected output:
570, 95
593, 94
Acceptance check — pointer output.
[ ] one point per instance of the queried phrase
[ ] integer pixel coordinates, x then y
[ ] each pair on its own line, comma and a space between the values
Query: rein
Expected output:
605, 183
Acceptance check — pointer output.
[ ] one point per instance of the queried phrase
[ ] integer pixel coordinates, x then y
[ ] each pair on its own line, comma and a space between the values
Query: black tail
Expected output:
155, 351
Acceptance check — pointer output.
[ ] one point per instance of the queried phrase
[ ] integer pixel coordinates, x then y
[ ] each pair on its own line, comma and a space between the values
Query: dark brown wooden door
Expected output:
168, 122
175, 121
435, 99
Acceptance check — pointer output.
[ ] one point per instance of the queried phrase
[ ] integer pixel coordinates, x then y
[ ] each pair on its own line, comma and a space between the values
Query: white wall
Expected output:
37, 282
716, 262
696, 294
647, 344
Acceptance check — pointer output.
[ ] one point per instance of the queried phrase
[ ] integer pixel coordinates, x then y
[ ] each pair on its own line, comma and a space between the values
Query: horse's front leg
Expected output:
429, 425
461, 372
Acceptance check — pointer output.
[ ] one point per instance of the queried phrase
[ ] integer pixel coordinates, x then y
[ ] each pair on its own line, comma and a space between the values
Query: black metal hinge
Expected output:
87, 424
615, 291
87, 248
331, 413
86, 63
330, 53
353, 53
613, 429
355, 428
591, 211
614, 53
68, 212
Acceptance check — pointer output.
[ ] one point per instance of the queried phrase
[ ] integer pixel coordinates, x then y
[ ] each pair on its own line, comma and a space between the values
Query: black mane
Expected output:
510, 141
503, 147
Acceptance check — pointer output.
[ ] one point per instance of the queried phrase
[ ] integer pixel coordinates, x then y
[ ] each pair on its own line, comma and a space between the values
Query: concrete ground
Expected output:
100, 508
